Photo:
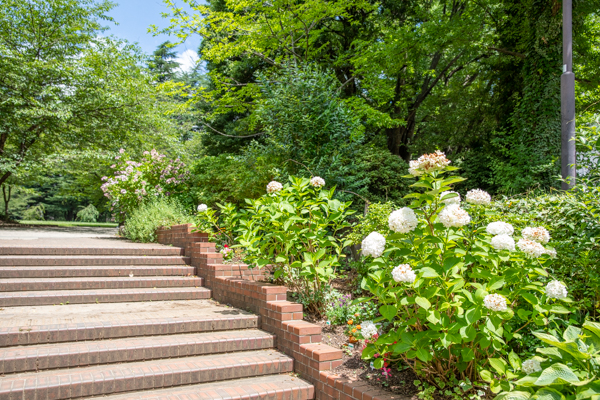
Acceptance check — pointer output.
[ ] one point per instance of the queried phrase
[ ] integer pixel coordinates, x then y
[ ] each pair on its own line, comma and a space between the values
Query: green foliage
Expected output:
440, 319
375, 220
135, 182
339, 309
297, 231
35, 213
143, 222
162, 63
88, 214
566, 368
65, 85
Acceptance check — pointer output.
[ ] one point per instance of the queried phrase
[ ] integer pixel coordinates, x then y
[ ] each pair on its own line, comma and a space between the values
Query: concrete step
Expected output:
96, 251
13, 299
21, 326
79, 354
270, 387
39, 261
95, 283
118, 378
98, 271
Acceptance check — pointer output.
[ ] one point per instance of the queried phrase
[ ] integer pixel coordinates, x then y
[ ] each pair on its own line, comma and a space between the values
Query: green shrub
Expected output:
35, 213
448, 282
88, 214
141, 226
339, 308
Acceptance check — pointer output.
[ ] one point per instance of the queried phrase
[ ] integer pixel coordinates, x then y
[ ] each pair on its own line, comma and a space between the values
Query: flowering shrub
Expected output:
142, 223
339, 309
296, 228
447, 281
569, 368
135, 182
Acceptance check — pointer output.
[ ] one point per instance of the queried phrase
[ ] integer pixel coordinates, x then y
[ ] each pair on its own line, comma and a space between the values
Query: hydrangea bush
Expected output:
447, 281
135, 182
296, 229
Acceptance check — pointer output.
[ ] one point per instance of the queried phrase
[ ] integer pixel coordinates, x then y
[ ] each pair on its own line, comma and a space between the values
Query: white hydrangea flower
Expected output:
551, 253
530, 366
503, 242
202, 207
495, 302
428, 163
500, 228
478, 196
368, 329
404, 273
317, 181
538, 234
451, 200
373, 245
403, 220
556, 290
454, 216
274, 187
531, 248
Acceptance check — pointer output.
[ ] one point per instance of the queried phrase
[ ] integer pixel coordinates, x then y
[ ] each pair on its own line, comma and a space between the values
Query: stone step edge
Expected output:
99, 330
97, 283
269, 387
81, 354
118, 378
38, 298
99, 271
91, 251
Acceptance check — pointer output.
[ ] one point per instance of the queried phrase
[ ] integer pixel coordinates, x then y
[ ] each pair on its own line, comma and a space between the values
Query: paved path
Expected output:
54, 232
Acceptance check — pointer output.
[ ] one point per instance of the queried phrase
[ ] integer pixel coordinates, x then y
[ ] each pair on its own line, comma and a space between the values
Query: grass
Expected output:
71, 223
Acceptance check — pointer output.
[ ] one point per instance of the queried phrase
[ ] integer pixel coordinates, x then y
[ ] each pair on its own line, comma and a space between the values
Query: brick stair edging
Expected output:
240, 286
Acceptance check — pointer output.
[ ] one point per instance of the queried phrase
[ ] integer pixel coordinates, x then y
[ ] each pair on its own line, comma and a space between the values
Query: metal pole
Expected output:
567, 101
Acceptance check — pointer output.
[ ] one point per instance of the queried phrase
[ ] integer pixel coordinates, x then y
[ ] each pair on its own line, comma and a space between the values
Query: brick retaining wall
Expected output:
240, 286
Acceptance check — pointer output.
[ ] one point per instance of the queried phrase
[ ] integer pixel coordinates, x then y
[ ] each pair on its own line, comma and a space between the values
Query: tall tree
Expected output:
64, 86
162, 62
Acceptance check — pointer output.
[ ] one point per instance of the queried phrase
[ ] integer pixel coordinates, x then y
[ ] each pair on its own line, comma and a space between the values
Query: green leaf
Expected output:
548, 394
592, 389
402, 347
423, 302
428, 272
557, 373
499, 365
569, 347
467, 354
514, 395
378, 363
514, 360
423, 355
388, 311
486, 375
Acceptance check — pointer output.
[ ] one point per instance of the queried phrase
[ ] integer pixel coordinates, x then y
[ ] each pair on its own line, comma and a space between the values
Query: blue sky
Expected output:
136, 16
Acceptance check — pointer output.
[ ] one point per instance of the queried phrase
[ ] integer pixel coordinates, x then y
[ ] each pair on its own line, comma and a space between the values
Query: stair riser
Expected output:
64, 298
32, 251
97, 331
71, 272
126, 283
91, 261
91, 354
140, 378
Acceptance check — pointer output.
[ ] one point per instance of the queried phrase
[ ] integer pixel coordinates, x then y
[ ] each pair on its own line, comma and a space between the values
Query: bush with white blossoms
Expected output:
447, 282
317, 181
298, 233
135, 182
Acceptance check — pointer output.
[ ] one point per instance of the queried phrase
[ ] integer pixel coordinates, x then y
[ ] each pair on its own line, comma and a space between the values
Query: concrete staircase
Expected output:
128, 322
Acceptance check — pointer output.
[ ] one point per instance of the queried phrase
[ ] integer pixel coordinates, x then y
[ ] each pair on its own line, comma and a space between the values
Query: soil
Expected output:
400, 382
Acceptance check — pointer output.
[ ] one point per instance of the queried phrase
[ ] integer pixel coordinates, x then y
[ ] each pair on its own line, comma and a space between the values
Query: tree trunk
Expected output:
400, 137
6, 198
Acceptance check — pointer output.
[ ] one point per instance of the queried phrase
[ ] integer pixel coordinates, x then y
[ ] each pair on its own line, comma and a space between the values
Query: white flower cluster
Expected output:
317, 181
404, 273
373, 245
530, 366
551, 253
495, 302
531, 248
368, 329
403, 220
450, 200
556, 290
503, 242
274, 187
454, 216
538, 234
202, 207
428, 163
478, 196
500, 228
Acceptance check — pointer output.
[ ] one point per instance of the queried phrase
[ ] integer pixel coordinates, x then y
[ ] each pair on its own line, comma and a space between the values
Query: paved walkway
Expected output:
54, 232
